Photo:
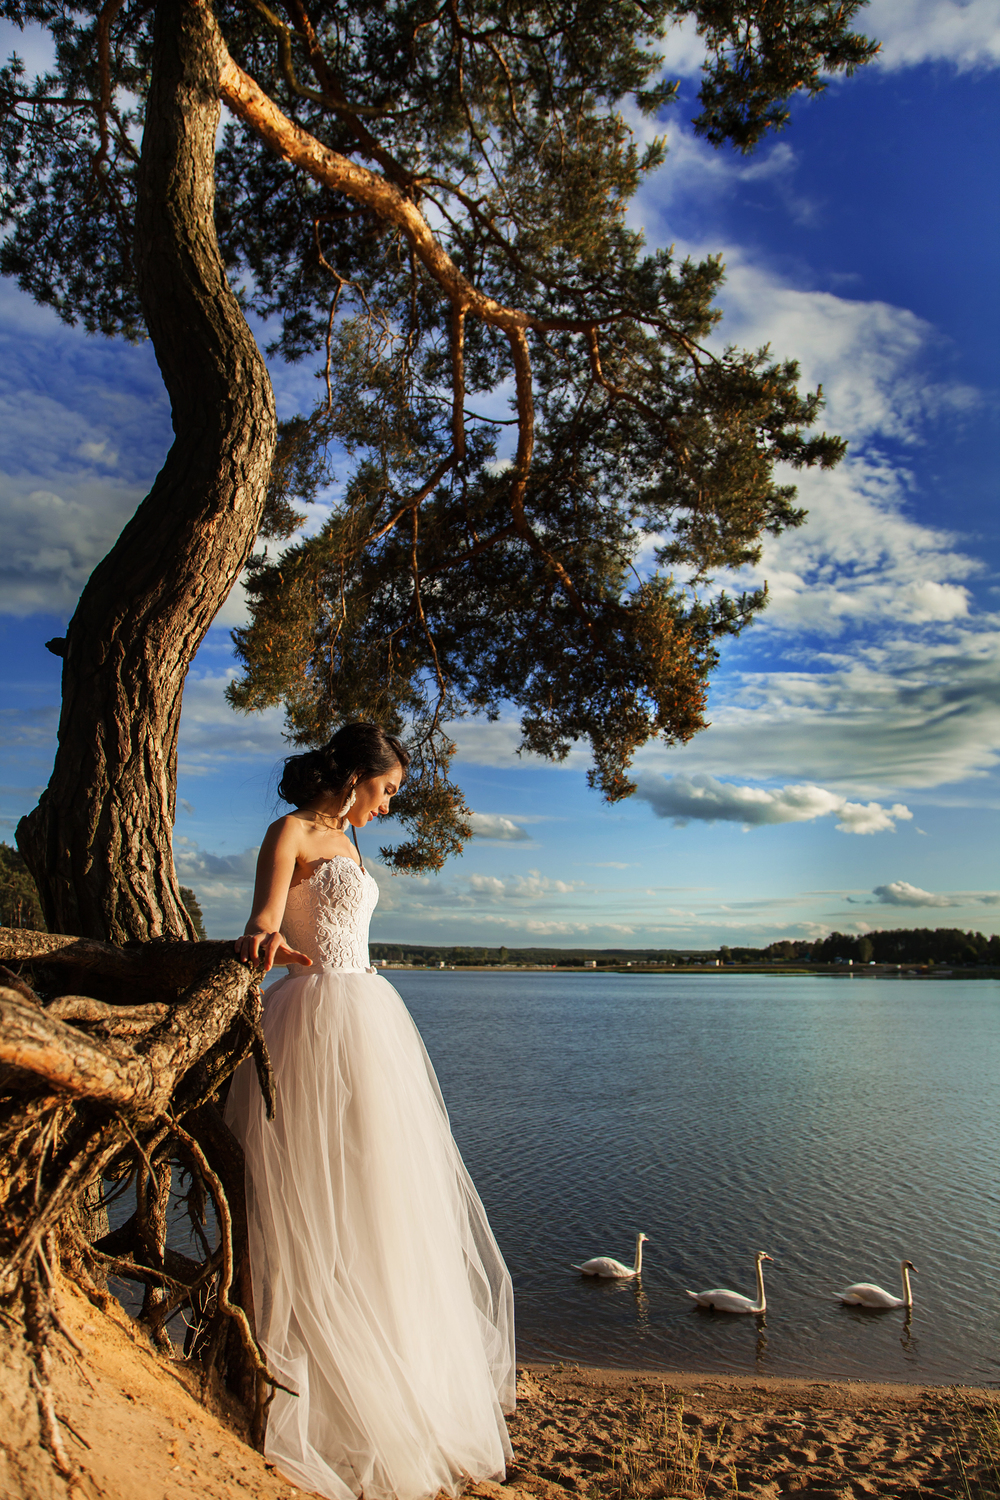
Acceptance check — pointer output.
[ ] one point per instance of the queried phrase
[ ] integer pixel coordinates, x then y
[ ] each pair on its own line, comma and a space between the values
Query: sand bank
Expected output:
135, 1429
617, 1434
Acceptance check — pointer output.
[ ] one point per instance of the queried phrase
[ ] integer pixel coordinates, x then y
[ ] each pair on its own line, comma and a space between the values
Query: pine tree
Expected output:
431, 201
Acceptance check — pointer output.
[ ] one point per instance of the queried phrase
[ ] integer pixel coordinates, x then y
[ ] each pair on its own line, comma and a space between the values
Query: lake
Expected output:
840, 1124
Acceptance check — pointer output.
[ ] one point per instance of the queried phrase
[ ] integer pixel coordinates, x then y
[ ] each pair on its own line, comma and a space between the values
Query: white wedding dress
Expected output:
380, 1294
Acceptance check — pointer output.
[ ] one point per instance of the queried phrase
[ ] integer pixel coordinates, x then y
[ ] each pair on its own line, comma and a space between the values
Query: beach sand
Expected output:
135, 1429
621, 1433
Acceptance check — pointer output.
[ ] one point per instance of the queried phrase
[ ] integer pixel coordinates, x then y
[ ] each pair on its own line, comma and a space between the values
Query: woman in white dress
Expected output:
380, 1294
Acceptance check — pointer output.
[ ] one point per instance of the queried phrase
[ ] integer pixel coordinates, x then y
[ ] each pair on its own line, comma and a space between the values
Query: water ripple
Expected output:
839, 1126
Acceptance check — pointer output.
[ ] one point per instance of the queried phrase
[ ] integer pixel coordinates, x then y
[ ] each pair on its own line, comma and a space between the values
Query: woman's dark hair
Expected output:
353, 754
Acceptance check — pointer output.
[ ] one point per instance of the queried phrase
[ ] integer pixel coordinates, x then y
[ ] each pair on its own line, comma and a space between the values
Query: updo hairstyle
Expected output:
355, 752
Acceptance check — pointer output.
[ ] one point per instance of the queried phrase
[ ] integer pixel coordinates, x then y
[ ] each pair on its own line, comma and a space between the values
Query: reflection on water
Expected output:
842, 1126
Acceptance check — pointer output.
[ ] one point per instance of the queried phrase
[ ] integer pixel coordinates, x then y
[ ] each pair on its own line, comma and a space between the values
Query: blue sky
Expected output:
849, 778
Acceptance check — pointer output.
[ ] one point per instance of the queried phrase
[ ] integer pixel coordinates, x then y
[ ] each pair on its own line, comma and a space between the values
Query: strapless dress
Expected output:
380, 1293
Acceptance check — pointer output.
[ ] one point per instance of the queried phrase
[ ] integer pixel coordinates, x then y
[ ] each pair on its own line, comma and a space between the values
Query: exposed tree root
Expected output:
114, 1094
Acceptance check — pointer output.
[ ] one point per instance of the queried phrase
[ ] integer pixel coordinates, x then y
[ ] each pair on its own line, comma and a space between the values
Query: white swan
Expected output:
603, 1265
866, 1294
725, 1301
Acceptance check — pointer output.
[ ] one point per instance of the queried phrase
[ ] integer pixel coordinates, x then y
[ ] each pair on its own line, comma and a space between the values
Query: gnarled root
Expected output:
121, 1087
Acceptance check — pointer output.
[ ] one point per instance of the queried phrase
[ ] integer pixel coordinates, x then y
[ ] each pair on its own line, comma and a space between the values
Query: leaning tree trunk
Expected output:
99, 842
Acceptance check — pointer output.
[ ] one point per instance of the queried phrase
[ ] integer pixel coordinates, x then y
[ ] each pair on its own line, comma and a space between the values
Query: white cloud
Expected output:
859, 559
965, 33
697, 172
99, 452
193, 863
901, 893
520, 887
704, 799
223, 883
898, 711
683, 51
905, 713
53, 542
499, 829
869, 357
909, 697
213, 734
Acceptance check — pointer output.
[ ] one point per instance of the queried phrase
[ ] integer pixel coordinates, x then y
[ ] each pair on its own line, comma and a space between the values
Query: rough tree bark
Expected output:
99, 842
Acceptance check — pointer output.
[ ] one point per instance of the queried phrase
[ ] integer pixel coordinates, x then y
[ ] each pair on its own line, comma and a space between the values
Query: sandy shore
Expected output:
134, 1429
611, 1435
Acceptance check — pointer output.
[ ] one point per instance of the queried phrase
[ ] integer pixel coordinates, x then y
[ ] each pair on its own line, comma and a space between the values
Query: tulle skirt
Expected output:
380, 1294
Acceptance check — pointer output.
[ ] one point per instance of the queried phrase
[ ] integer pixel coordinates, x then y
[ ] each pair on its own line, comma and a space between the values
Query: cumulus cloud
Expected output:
223, 883
53, 542
696, 172
965, 33
860, 560
704, 799
902, 893
193, 863
683, 51
869, 356
498, 829
79, 446
213, 734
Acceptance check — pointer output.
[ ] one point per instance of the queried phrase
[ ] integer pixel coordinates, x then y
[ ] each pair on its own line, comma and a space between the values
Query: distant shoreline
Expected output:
776, 971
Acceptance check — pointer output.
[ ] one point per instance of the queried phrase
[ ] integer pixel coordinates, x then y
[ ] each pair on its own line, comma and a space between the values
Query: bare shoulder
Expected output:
288, 833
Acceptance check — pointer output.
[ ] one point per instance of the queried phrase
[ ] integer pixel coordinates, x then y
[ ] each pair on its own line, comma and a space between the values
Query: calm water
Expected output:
839, 1124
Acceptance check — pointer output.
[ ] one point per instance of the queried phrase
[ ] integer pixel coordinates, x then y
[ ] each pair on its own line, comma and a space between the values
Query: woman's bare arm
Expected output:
262, 941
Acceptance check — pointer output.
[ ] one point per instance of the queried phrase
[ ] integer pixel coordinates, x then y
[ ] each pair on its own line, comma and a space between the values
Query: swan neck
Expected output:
762, 1303
638, 1256
907, 1294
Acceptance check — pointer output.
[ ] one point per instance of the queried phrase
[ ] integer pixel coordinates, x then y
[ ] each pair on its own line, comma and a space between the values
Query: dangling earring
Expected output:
342, 815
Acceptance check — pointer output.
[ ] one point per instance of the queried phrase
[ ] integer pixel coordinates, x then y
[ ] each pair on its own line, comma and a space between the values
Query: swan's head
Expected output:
763, 1255
907, 1265
641, 1239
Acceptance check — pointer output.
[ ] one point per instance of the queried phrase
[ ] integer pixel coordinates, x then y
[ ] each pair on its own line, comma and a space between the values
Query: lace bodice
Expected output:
327, 916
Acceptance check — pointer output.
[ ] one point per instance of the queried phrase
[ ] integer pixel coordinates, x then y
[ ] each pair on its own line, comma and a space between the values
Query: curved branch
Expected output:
245, 97
288, 140
107, 15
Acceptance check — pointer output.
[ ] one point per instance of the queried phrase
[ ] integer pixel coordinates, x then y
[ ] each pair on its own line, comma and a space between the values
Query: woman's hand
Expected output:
268, 949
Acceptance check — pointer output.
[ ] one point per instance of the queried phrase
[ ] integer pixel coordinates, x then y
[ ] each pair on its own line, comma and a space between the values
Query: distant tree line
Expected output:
918, 945
20, 907
897, 945
561, 957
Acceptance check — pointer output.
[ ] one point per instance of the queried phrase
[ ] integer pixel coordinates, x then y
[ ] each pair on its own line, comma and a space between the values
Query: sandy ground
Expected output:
134, 1426
610, 1435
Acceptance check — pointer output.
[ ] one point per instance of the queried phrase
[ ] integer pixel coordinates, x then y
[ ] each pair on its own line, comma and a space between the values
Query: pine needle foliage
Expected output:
532, 465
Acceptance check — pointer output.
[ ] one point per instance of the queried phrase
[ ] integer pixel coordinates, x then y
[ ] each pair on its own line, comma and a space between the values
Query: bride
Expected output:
380, 1294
